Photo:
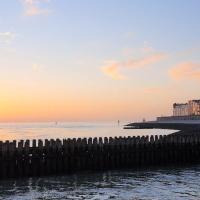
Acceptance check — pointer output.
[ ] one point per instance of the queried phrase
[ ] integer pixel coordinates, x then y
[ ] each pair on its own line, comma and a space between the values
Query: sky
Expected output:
63, 60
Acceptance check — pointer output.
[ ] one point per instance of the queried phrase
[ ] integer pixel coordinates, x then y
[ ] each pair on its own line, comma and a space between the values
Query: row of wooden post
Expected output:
48, 157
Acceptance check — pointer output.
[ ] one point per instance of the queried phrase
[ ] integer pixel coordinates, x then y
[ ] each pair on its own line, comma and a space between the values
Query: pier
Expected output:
54, 157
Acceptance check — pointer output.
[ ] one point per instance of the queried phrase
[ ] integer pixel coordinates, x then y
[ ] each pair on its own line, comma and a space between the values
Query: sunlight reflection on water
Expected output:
17, 131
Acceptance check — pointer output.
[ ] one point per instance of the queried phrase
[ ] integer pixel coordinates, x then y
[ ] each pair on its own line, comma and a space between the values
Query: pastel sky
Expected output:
86, 60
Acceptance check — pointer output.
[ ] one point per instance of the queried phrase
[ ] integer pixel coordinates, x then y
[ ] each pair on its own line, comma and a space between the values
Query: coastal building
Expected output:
185, 112
194, 107
180, 109
187, 109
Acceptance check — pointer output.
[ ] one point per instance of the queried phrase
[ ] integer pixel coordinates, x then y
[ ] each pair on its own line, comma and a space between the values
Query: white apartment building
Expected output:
187, 109
180, 109
194, 107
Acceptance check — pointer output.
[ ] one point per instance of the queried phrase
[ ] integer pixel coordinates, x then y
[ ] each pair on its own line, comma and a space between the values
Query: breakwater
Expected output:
50, 157
163, 125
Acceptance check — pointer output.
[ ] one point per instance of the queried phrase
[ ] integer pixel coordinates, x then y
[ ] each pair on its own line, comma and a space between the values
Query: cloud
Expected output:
7, 37
113, 69
145, 61
33, 7
186, 71
37, 67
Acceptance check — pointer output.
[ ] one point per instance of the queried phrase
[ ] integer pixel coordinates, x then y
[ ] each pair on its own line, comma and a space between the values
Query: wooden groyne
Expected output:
40, 158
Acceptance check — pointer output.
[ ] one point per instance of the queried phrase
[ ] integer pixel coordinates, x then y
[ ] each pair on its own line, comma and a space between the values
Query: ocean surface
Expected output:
53, 130
147, 184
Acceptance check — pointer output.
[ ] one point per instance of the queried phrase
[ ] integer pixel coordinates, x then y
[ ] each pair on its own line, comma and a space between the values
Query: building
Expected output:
180, 109
187, 109
194, 107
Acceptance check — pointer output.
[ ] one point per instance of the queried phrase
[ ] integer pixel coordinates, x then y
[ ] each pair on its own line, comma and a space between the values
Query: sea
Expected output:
172, 183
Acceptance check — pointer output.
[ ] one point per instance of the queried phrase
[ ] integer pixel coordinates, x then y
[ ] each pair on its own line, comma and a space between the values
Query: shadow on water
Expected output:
154, 183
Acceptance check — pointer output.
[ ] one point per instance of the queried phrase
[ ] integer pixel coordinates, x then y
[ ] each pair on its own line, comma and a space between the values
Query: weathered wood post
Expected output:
83, 154
5, 159
65, 155
111, 153
59, 157
160, 150
152, 150
34, 159
127, 142
89, 154
196, 143
156, 149
95, 153
20, 159
165, 150
47, 155
120, 152
142, 151
70, 155
1, 159
114, 154
198, 147
137, 151
133, 147
176, 149
52, 156
12, 159
26, 158
106, 153
41, 158
100, 150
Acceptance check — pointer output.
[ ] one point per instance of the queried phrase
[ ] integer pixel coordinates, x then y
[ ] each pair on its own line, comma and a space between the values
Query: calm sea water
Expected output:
17, 131
151, 184
147, 184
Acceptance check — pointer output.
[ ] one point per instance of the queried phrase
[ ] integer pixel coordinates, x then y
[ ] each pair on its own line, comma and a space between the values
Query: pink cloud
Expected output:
186, 71
32, 7
113, 69
145, 61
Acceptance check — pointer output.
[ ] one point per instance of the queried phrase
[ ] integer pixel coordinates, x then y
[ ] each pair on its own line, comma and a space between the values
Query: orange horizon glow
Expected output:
67, 61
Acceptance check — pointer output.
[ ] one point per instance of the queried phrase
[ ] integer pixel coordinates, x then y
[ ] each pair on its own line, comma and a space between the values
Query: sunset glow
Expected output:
67, 61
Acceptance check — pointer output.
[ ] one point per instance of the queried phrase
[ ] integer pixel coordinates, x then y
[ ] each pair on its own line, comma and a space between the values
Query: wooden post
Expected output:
52, 156
5, 159
83, 153
12, 159
137, 151
59, 157
106, 153
1, 160
95, 154
47, 157
20, 159
41, 158
27, 158
100, 152
133, 151
65, 155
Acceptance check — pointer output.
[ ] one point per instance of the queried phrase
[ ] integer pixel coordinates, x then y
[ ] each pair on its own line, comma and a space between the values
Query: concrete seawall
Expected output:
53, 157
184, 129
